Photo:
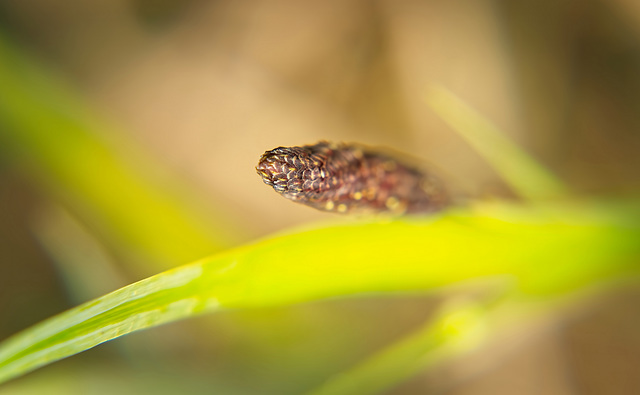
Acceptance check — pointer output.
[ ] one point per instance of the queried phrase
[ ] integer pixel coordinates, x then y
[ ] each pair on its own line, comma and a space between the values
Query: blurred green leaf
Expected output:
547, 251
525, 175
459, 327
89, 165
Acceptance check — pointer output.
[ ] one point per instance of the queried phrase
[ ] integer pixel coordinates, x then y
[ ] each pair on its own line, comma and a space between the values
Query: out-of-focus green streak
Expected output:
458, 328
525, 175
91, 167
545, 251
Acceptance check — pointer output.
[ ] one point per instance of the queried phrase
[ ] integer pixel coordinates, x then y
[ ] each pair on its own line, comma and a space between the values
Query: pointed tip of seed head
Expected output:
279, 166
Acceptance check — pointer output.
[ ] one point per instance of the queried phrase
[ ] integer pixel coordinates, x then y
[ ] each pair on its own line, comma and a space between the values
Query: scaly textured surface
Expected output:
348, 178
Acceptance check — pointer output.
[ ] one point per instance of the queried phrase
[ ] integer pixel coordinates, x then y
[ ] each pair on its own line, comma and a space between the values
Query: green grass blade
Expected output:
524, 174
546, 251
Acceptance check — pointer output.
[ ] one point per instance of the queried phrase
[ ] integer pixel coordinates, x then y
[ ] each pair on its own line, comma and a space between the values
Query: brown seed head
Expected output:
349, 178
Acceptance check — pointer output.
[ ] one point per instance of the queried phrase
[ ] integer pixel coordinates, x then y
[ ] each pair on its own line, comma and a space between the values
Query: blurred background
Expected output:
130, 129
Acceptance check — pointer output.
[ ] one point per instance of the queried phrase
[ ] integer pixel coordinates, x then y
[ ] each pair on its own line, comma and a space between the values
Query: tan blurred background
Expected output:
207, 86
